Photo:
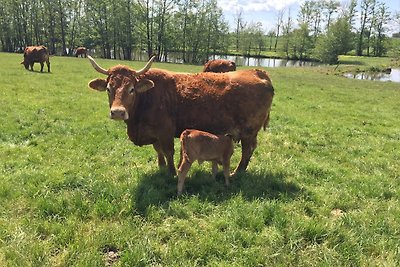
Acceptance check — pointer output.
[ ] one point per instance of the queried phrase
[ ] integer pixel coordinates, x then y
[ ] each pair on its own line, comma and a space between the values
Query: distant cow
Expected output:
34, 54
158, 105
204, 146
219, 65
81, 51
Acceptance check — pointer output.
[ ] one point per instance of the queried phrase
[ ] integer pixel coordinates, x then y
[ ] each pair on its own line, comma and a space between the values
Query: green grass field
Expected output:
322, 188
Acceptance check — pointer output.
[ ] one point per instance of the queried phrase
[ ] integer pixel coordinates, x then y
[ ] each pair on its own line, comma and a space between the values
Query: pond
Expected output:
393, 75
174, 57
266, 62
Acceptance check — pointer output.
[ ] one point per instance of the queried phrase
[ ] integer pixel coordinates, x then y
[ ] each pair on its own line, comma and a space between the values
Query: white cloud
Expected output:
255, 5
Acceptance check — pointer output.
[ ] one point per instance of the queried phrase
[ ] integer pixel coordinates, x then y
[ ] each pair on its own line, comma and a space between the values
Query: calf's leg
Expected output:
226, 166
182, 172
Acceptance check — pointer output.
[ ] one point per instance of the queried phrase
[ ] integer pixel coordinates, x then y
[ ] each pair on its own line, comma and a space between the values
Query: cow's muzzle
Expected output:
118, 113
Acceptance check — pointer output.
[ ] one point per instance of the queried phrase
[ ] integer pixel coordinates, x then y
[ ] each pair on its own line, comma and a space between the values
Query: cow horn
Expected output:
97, 67
146, 68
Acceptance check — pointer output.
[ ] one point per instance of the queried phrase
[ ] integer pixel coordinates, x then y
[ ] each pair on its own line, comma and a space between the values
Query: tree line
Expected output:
117, 28
195, 29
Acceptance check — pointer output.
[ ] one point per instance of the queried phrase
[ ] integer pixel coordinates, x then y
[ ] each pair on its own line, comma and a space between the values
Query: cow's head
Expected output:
122, 85
25, 63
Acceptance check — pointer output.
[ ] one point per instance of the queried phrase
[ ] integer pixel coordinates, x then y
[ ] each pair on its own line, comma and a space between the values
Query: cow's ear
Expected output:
143, 85
98, 84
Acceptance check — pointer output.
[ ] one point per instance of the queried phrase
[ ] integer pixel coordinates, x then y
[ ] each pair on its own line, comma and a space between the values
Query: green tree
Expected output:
367, 9
302, 43
253, 39
381, 19
337, 41
330, 8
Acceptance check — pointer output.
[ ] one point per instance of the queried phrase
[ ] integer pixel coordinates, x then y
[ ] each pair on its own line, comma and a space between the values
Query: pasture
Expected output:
322, 188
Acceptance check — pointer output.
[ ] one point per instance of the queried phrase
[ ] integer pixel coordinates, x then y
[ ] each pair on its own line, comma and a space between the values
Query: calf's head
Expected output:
122, 85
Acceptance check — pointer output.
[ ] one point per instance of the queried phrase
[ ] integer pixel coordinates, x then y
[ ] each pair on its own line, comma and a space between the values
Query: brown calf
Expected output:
34, 54
81, 51
204, 146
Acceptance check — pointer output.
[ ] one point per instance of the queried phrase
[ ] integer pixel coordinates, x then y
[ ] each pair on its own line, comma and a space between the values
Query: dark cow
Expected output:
81, 51
34, 54
204, 146
219, 65
158, 105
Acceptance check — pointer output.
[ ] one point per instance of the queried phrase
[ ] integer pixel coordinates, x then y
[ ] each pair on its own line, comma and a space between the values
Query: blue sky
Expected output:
265, 11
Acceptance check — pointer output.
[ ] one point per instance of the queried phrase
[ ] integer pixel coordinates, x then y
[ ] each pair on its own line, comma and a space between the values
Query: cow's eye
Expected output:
108, 88
131, 90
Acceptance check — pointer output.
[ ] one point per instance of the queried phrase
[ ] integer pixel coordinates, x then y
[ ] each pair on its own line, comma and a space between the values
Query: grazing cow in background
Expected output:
219, 65
158, 105
34, 54
204, 146
81, 51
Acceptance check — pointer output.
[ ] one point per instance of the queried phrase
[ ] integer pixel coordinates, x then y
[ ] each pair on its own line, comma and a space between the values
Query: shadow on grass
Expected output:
351, 62
38, 71
159, 188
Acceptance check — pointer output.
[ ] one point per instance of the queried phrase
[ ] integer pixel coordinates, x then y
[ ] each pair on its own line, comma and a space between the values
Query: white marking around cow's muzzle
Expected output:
119, 113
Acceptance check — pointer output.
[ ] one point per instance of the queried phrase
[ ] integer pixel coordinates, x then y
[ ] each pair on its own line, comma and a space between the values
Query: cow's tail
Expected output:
266, 121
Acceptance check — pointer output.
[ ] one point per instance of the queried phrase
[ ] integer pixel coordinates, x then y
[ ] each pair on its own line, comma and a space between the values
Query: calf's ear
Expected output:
98, 84
143, 85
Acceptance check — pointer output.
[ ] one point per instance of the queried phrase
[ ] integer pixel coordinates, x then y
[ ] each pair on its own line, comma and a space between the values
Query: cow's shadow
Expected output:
40, 72
159, 188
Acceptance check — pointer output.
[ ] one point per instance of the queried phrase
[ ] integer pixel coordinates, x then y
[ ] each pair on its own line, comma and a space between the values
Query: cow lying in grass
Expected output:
204, 146
219, 65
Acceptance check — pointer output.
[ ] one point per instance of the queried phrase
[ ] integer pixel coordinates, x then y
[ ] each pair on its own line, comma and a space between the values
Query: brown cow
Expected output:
219, 65
158, 105
81, 51
204, 146
34, 54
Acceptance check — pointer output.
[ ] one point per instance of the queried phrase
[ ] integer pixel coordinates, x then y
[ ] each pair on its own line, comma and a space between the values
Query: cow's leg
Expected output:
226, 166
41, 66
249, 144
182, 172
31, 66
214, 168
48, 65
170, 161
160, 155
167, 147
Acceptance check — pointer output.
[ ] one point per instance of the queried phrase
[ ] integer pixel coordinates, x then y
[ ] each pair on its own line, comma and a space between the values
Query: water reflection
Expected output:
393, 75
266, 62
174, 57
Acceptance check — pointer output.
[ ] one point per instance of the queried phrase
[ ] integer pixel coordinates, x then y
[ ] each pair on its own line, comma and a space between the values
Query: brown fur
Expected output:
204, 146
34, 54
81, 51
160, 105
219, 65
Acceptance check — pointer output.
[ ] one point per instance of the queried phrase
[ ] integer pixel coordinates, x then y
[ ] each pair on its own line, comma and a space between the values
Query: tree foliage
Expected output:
116, 29
335, 42
191, 30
